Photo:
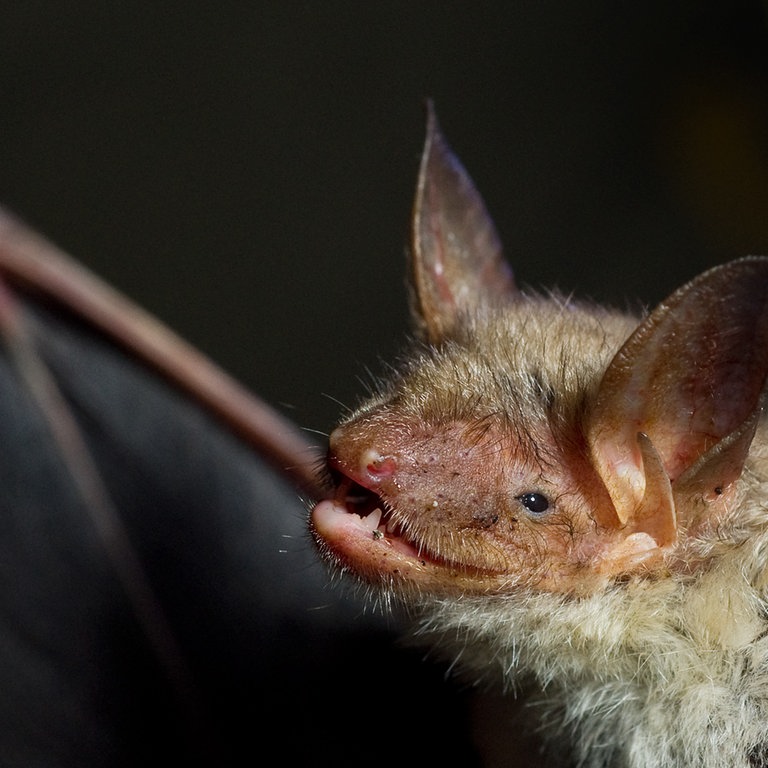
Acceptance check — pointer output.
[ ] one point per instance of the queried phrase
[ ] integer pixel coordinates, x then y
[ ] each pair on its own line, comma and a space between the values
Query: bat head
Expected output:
535, 442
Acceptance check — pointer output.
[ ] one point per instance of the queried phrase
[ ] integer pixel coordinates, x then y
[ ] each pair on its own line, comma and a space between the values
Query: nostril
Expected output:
378, 465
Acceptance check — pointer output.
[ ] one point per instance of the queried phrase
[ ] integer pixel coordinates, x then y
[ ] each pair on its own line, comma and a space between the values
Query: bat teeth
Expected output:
372, 520
392, 528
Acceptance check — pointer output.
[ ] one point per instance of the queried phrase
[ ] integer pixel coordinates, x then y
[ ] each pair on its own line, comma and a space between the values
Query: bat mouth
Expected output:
373, 515
359, 531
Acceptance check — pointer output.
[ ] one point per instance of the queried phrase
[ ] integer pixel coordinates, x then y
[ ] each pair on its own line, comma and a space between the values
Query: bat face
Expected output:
533, 443
468, 473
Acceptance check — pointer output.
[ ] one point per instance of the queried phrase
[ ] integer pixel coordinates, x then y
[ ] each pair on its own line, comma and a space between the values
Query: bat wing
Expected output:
161, 602
31, 264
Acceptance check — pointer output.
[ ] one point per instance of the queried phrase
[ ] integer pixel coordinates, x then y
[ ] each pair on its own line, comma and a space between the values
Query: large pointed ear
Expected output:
689, 381
456, 258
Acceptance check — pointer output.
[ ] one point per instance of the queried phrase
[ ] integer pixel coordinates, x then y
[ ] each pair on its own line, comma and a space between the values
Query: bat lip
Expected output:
360, 531
355, 523
375, 552
361, 505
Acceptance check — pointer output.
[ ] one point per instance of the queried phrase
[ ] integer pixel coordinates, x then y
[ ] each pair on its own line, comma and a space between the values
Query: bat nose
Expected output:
359, 460
376, 464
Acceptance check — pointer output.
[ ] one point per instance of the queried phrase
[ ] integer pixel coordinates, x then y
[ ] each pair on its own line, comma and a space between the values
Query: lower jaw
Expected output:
377, 558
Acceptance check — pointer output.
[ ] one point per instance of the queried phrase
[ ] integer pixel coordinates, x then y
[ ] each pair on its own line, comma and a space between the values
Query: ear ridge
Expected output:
720, 466
648, 526
655, 515
457, 263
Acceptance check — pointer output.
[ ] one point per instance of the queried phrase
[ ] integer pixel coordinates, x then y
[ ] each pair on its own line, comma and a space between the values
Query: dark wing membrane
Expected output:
160, 600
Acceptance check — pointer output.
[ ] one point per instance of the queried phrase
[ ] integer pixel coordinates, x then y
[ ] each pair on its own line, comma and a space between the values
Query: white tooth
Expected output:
371, 521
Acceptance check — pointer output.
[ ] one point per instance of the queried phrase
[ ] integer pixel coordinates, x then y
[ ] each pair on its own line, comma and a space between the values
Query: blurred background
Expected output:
246, 170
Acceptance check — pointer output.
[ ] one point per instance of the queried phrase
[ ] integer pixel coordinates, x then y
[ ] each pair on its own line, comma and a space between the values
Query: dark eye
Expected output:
537, 503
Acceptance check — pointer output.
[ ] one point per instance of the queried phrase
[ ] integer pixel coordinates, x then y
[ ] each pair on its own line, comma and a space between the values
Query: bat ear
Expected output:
677, 407
457, 264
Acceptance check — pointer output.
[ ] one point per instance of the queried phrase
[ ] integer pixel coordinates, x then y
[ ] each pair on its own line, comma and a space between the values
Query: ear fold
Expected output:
456, 256
691, 379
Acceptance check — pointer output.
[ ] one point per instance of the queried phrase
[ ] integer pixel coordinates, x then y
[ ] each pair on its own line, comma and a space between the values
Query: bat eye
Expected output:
536, 503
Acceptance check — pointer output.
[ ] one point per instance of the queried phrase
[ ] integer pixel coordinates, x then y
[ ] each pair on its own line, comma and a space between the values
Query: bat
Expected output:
160, 599
567, 497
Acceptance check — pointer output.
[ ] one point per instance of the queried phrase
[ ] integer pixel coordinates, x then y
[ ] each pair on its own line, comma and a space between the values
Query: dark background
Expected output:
245, 169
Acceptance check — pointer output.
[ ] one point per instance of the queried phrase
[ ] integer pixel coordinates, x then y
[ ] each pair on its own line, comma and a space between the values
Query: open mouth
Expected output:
355, 509
361, 532
368, 506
